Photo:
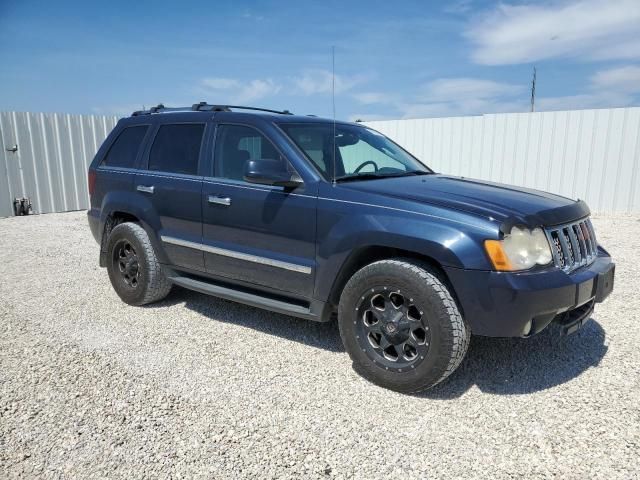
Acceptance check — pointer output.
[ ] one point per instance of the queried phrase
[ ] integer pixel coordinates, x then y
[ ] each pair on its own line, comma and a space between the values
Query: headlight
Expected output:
520, 249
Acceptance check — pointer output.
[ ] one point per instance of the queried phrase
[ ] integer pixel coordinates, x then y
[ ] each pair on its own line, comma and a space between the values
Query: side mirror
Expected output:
267, 171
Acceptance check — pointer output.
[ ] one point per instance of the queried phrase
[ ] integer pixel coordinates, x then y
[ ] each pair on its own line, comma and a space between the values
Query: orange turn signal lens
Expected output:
496, 254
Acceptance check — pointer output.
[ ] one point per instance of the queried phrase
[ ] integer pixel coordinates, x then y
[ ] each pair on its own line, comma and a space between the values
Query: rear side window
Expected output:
124, 151
176, 148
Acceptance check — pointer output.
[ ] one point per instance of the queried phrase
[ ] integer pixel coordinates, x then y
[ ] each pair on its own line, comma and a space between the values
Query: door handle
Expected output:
218, 200
145, 189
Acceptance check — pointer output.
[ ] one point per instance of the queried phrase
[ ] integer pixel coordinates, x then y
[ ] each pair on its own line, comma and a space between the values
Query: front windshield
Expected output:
360, 152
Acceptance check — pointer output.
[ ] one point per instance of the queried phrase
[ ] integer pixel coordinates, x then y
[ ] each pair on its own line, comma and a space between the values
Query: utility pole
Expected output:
533, 90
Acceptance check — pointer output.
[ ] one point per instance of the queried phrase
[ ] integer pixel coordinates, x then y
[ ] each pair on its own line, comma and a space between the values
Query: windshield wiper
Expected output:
414, 172
361, 176
373, 175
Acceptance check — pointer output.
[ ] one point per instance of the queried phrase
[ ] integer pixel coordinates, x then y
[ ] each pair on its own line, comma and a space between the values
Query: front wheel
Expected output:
401, 326
134, 270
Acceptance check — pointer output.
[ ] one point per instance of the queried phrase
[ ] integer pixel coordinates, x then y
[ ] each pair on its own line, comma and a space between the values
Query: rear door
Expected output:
171, 187
258, 234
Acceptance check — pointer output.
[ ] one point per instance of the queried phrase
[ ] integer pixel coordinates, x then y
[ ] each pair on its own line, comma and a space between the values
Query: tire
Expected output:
134, 270
422, 310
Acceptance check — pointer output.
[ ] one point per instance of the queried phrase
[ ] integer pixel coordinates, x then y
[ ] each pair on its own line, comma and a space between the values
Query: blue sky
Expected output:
394, 59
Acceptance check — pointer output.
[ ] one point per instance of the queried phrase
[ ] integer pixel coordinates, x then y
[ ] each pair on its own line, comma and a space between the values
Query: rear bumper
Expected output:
500, 304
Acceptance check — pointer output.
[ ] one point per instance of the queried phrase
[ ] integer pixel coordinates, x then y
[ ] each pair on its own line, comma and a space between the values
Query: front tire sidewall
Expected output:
427, 372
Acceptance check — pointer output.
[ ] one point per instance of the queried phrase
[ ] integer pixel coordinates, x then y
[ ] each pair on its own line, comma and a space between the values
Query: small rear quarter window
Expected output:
124, 151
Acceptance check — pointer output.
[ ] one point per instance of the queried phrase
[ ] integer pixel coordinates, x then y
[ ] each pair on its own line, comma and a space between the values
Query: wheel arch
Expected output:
119, 215
367, 255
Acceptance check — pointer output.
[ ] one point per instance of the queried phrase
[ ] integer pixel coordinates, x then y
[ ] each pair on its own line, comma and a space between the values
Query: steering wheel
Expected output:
364, 164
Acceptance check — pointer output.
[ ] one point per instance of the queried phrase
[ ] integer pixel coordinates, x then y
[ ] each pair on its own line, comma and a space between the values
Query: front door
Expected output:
256, 234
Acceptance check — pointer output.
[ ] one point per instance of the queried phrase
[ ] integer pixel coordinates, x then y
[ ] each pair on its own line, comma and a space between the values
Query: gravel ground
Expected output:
200, 387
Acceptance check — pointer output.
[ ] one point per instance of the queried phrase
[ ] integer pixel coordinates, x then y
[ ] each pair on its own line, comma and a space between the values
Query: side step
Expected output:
252, 299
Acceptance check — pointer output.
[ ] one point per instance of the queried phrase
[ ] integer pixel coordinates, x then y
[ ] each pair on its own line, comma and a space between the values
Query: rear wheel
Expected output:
134, 270
400, 325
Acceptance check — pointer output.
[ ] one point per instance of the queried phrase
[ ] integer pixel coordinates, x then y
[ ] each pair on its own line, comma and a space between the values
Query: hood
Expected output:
504, 203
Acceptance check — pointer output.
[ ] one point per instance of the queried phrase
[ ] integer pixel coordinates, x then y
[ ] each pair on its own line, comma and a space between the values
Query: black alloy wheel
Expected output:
393, 329
125, 259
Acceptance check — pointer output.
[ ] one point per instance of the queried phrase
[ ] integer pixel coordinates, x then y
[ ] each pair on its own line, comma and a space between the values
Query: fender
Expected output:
342, 234
138, 206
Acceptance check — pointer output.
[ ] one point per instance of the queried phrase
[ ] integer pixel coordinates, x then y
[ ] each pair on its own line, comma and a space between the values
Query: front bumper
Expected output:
501, 304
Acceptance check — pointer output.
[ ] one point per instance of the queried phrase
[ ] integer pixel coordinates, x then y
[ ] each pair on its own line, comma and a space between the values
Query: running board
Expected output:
252, 299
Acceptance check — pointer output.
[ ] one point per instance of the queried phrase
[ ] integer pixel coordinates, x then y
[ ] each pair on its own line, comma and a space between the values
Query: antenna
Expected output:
333, 101
533, 90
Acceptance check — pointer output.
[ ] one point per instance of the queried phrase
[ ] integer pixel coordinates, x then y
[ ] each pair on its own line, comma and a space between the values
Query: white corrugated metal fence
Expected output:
589, 154
593, 155
51, 160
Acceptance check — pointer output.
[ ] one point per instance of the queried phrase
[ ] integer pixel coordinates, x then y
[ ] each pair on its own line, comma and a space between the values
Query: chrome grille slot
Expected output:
558, 253
592, 235
573, 245
577, 230
566, 243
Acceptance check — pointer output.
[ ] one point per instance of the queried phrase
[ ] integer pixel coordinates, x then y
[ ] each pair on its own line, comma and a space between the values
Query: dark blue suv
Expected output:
317, 219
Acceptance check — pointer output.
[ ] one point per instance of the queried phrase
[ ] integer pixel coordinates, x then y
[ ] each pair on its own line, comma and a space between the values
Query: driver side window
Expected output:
234, 145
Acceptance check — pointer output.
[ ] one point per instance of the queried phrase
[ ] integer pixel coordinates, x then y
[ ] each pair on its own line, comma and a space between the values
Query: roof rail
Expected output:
205, 107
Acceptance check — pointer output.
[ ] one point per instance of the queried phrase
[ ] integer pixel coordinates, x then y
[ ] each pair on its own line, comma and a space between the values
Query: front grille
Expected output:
573, 245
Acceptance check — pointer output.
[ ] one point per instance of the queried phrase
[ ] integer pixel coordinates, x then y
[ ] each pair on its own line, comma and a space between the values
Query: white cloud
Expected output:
622, 79
450, 97
256, 89
312, 82
229, 90
458, 89
217, 83
462, 107
369, 98
309, 82
614, 87
587, 29
249, 15
628, 49
445, 97
582, 101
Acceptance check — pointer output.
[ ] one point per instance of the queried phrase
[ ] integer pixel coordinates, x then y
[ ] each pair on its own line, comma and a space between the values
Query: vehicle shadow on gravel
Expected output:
314, 334
504, 366
516, 366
